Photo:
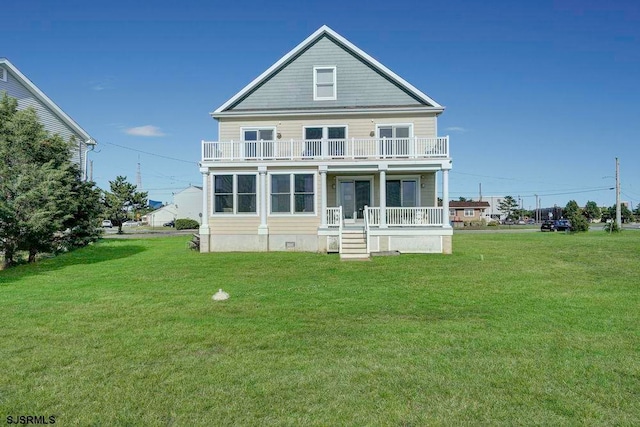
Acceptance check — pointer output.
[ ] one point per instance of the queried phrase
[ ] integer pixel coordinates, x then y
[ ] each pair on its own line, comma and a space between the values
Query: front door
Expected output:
354, 196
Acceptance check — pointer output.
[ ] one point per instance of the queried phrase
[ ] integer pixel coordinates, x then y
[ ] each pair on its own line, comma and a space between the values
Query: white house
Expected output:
187, 203
54, 120
327, 150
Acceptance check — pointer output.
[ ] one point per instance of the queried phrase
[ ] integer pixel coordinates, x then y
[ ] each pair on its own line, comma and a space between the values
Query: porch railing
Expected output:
407, 217
350, 149
334, 216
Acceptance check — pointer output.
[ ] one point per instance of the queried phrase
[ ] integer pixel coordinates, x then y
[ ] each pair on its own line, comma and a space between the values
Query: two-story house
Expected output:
328, 150
54, 120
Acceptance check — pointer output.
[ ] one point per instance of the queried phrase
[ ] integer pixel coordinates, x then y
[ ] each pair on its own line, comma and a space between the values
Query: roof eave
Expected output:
328, 112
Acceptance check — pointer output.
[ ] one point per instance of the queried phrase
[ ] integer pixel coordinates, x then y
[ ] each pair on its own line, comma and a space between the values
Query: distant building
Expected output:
468, 211
186, 204
493, 211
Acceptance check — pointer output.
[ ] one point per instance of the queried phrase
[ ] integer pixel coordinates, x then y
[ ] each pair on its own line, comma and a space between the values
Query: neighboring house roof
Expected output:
168, 208
475, 205
44, 99
419, 99
188, 188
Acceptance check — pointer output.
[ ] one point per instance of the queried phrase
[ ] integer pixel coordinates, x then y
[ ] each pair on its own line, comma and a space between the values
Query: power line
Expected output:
150, 154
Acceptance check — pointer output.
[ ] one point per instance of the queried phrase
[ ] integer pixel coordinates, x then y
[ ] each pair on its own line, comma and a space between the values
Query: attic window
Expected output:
3, 74
324, 83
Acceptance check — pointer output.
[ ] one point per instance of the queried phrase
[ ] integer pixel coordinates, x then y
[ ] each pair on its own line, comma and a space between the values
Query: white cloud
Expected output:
147, 130
102, 84
456, 129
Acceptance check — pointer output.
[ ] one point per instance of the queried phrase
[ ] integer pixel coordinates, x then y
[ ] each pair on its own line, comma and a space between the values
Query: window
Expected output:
396, 139
3, 74
280, 193
303, 195
234, 193
300, 200
452, 212
252, 148
333, 136
402, 193
324, 83
469, 212
246, 193
223, 193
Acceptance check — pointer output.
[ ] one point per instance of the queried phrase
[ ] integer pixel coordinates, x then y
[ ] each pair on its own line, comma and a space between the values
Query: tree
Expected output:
37, 182
591, 211
610, 213
508, 206
124, 201
574, 213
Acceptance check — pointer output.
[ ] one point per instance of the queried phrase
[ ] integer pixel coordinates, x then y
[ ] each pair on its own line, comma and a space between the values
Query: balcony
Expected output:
325, 149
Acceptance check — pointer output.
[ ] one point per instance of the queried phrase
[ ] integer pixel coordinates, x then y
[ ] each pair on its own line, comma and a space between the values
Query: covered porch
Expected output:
390, 209
386, 197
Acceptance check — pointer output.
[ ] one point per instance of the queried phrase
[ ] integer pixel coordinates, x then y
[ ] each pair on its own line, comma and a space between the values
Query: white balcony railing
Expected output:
350, 149
407, 217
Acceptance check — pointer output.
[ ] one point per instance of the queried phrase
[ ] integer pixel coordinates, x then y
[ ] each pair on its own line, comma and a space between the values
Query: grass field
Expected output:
511, 329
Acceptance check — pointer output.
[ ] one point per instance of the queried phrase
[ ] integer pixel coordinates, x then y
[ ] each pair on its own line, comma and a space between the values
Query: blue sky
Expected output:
540, 96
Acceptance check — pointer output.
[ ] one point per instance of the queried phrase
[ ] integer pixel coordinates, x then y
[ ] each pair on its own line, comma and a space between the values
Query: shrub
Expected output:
578, 222
186, 224
612, 227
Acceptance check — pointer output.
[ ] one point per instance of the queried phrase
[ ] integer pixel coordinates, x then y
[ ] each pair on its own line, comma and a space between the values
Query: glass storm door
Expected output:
354, 196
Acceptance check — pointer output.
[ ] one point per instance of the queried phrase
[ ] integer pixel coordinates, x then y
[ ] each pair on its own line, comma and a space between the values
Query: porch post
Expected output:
445, 199
204, 224
383, 196
323, 190
263, 229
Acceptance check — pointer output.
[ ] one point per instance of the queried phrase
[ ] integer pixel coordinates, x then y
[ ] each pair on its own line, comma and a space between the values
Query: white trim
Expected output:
331, 112
3, 74
256, 128
334, 83
325, 133
45, 100
346, 43
394, 125
292, 192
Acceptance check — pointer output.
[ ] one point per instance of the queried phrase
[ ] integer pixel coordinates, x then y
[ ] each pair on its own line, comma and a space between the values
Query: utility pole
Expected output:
537, 208
618, 211
480, 191
90, 170
139, 176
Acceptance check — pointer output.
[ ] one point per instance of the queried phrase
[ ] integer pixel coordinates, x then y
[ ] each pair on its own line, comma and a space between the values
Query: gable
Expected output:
361, 82
358, 84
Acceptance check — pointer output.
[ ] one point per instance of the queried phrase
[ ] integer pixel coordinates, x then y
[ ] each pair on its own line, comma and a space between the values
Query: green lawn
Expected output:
511, 329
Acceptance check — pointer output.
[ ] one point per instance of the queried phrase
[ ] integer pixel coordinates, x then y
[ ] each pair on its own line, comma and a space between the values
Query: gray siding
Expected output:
51, 122
358, 84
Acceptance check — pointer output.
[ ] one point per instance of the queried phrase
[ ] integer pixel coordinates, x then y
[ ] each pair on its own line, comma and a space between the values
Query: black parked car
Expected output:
557, 225
169, 224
